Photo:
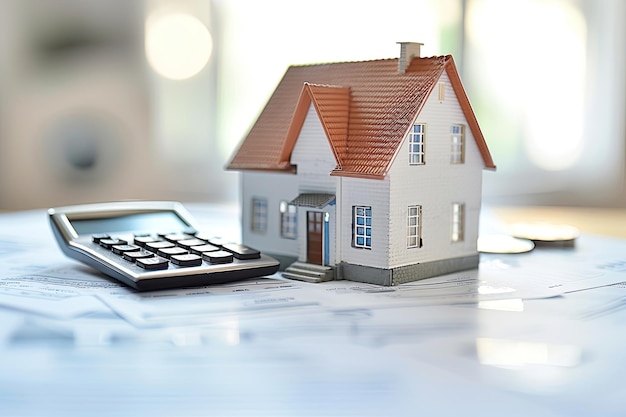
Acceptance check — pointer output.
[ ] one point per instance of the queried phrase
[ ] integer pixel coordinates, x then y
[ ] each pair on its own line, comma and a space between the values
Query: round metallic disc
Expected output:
546, 233
498, 243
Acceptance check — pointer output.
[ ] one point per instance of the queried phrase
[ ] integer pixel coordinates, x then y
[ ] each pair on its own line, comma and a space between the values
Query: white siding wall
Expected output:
314, 157
362, 192
275, 187
332, 235
435, 186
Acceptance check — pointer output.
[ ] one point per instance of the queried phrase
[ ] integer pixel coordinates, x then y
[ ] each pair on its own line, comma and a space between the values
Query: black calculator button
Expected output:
203, 236
168, 252
142, 240
133, 256
120, 249
188, 259
190, 231
188, 243
199, 250
218, 257
97, 238
213, 240
161, 244
175, 237
153, 263
241, 251
109, 243
217, 241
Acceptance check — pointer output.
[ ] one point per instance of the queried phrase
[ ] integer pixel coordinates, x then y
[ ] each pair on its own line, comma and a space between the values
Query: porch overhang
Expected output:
313, 200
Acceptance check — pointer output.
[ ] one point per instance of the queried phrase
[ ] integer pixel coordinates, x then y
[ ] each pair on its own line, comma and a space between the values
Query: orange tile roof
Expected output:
365, 108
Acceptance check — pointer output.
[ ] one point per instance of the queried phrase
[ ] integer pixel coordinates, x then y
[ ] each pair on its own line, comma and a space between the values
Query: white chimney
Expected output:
408, 51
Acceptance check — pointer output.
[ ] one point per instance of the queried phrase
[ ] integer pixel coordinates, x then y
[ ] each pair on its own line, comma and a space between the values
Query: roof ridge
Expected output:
324, 85
364, 61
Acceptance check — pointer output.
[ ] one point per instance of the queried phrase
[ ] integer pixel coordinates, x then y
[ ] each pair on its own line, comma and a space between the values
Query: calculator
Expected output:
151, 245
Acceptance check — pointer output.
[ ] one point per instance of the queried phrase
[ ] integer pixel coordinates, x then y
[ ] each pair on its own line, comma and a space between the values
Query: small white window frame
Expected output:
288, 220
414, 227
417, 144
458, 222
362, 227
442, 92
258, 221
457, 144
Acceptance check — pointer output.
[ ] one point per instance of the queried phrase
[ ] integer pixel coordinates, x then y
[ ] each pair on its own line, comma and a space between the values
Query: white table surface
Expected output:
525, 335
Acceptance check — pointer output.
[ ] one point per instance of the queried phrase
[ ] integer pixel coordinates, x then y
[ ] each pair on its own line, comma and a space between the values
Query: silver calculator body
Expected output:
151, 245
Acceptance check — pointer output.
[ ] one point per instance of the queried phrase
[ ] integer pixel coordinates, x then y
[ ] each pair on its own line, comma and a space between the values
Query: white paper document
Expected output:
36, 277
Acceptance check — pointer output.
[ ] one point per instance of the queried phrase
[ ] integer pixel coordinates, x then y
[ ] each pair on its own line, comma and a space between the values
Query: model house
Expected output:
367, 171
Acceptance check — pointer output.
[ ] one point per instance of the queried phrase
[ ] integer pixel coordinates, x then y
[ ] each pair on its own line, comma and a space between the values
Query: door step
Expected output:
302, 271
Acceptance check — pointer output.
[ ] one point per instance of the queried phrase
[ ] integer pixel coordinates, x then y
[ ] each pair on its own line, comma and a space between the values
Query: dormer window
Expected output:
416, 144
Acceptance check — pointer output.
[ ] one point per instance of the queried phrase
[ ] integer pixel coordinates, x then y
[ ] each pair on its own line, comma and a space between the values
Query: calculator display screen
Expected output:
166, 221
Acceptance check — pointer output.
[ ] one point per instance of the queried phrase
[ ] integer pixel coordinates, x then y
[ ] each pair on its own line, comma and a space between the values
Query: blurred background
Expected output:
116, 99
